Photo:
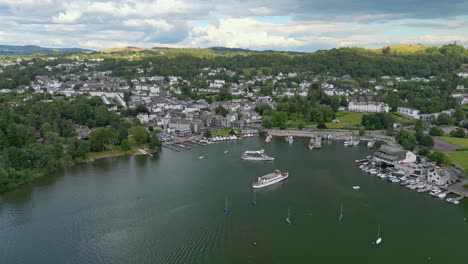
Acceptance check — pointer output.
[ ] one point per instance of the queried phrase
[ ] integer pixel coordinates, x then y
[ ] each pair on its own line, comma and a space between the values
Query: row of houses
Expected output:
368, 107
415, 114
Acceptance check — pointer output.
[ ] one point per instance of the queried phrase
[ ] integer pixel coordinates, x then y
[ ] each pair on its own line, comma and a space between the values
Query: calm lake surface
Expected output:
169, 209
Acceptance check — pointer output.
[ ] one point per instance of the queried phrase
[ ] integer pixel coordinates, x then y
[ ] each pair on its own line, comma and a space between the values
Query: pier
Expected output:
170, 147
335, 133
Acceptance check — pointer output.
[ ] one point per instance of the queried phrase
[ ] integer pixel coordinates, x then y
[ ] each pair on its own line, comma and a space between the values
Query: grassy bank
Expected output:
462, 142
459, 157
348, 120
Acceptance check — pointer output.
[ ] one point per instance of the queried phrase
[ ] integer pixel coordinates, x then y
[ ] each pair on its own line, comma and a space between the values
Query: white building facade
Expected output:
368, 107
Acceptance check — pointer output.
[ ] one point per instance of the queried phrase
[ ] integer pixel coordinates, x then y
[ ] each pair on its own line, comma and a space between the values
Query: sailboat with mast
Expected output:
379, 238
254, 201
341, 216
226, 209
288, 219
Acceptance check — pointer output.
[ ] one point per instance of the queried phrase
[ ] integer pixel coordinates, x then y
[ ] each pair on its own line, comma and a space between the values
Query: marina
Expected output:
415, 183
159, 213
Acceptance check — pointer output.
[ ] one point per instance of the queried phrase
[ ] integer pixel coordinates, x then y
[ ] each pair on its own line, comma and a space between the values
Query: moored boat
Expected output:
311, 143
271, 178
256, 155
356, 142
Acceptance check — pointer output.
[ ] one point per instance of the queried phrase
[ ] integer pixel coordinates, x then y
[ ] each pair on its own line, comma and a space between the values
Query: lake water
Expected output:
169, 209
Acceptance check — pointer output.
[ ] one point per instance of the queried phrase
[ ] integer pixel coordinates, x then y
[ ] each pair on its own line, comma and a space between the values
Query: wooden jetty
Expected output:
170, 147
198, 143
188, 143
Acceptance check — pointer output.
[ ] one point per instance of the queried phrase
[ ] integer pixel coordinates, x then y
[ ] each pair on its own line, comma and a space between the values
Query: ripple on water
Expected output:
199, 245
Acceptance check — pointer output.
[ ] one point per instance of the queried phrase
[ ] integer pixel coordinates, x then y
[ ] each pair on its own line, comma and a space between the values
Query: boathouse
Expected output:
390, 155
442, 176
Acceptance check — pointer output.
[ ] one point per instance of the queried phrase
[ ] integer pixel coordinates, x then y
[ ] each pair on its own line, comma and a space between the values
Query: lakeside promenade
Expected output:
337, 134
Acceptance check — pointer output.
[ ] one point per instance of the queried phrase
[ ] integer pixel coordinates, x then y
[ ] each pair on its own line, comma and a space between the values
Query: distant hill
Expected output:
129, 48
32, 49
216, 50
405, 48
237, 50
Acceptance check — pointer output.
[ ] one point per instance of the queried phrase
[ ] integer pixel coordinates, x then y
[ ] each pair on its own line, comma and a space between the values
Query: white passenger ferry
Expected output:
271, 178
256, 155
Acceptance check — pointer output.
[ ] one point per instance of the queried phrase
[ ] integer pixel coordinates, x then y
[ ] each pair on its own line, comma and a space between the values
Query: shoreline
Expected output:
99, 156
338, 134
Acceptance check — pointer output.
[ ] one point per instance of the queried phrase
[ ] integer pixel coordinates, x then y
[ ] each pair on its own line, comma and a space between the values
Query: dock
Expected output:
197, 143
170, 147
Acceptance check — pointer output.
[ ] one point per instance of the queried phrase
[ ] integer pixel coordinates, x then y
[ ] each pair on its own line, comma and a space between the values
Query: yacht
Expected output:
356, 142
256, 155
311, 143
271, 178
395, 180
348, 142
442, 195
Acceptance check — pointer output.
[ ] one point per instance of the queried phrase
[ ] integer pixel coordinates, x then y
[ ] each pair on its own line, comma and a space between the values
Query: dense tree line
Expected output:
337, 62
39, 136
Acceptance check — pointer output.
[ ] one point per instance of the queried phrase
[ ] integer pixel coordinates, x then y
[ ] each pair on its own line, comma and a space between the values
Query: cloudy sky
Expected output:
300, 25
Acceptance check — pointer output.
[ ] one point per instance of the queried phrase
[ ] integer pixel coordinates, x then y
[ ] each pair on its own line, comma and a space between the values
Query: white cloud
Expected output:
70, 16
155, 23
243, 32
292, 24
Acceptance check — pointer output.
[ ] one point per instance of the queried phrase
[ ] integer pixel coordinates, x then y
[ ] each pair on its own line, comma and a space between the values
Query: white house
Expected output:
217, 84
409, 112
143, 117
368, 107
441, 176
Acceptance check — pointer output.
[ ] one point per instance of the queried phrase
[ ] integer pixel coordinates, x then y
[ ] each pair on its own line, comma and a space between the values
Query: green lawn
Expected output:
403, 120
106, 154
463, 142
347, 120
459, 157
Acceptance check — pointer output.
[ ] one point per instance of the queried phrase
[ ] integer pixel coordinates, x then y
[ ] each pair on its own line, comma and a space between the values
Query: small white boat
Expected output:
395, 180
357, 187
225, 151
311, 143
442, 195
379, 238
356, 142
456, 202
348, 142
290, 139
201, 157
370, 144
